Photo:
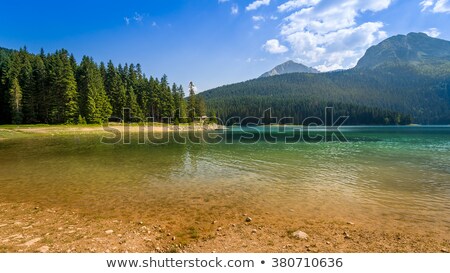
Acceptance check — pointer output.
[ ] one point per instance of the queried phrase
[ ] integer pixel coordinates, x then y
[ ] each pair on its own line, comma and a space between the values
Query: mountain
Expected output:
415, 49
402, 77
289, 67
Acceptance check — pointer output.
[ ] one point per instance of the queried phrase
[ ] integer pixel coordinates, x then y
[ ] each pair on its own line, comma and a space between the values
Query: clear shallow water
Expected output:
387, 176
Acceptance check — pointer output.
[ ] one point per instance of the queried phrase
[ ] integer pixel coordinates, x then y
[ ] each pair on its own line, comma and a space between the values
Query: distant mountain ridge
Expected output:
289, 67
404, 75
412, 49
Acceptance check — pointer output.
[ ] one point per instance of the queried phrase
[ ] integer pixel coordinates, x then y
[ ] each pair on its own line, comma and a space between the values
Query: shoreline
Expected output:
13, 131
28, 227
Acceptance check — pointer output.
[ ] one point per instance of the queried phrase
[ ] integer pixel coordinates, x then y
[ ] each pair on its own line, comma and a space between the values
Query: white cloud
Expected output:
426, 4
274, 47
293, 4
432, 32
327, 68
273, 17
256, 4
375, 6
442, 6
223, 1
258, 18
435, 6
326, 34
234, 9
138, 17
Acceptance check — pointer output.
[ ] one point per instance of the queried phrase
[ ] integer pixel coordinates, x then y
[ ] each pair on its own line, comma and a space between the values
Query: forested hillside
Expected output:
399, 80
55, 89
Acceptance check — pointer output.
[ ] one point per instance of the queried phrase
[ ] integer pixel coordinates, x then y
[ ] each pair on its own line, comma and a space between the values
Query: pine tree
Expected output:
102, 69
68, 89
179, 103
167, 103
115, 90
63, 99
155, 99
4, 93
14, 89
176, 101
200, 108
132, 104
141, 89
15, 94
144, 85
39, 79
192, 102
26, 85
183, 107
73, 63
95, 105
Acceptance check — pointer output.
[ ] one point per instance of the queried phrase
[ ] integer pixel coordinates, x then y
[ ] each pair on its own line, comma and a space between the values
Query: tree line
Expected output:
387, 95
55, 89
300, 111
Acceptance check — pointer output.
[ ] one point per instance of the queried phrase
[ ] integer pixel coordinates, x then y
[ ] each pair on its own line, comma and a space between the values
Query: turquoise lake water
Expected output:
380, 175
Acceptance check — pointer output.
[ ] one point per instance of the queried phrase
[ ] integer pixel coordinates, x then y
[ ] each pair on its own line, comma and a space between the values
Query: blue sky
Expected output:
216, 42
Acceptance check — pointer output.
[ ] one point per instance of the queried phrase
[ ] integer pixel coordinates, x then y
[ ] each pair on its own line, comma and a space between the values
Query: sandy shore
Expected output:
30, 228
24, 131
131, 128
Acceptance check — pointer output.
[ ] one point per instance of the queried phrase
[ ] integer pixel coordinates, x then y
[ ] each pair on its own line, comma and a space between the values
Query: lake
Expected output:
381, 178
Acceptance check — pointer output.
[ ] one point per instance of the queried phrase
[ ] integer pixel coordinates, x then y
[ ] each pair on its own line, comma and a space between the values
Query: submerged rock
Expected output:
300, 235
31, 242
43, 249
110, 231
248, 219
